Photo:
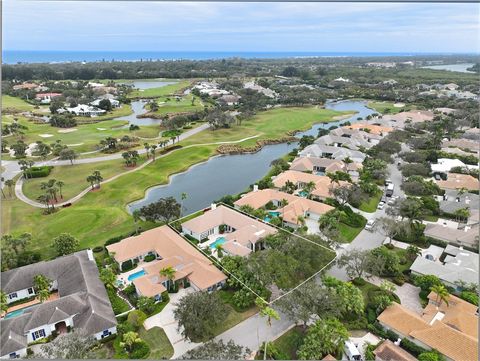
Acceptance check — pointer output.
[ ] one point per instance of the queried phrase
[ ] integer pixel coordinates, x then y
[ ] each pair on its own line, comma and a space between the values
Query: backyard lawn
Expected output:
289, 343
160, 346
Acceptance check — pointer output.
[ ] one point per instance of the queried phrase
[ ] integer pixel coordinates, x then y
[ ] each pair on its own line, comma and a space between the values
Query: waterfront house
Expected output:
169, 249
450, 328
331, 152
237, 233
84, 110
323, 184
78, 300
290, 208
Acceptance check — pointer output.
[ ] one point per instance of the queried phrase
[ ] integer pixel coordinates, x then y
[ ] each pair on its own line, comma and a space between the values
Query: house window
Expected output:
30, 291
12, 295
38, 334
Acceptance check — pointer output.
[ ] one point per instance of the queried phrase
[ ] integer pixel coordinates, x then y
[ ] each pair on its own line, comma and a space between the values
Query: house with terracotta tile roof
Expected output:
459, 181
388, 351
46, 98
322, 166
191, 267
451, 329
238, 233
323, 184
294, 209
332, 152
369, 128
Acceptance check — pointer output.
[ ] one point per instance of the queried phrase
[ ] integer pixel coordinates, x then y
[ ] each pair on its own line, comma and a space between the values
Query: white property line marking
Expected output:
271, 225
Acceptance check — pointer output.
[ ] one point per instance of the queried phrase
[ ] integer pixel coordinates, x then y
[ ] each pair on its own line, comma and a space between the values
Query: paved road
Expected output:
12, 168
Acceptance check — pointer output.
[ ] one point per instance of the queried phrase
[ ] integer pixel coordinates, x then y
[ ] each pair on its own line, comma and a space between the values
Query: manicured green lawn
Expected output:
289, 343
234, 318
101, 215
160, 346
385, 107
74, 176
271, 124
9, 102
371, 204
348, 233
85, 138
170, 105
161, 91
402, 254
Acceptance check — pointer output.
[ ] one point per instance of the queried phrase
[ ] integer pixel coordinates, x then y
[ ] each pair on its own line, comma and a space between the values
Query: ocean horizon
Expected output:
58, 56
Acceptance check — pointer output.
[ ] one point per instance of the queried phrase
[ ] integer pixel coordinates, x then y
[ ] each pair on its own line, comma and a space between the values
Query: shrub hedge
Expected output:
38, 172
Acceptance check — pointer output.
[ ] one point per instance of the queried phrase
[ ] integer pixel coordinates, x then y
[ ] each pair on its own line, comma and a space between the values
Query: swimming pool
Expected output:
135, 275
274, 213
17, 312
218, 241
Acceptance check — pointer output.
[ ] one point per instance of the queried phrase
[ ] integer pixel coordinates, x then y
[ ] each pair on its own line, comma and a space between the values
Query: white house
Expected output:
85, 110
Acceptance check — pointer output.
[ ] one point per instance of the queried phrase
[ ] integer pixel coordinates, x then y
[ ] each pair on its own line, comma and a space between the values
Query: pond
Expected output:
138, 106
231, 174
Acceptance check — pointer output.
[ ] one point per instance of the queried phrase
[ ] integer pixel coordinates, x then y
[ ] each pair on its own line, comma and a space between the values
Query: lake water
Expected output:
231, 174
138, 106
462, 68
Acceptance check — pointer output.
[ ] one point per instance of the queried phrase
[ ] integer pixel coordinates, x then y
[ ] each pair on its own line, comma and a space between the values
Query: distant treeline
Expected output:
192, 68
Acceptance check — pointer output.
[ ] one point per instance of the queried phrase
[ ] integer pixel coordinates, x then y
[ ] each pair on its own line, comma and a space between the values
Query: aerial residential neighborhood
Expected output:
276, 181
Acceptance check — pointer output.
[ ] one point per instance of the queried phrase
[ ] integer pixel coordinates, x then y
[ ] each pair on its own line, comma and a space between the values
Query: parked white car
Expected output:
381, 205
392, 200
370, 224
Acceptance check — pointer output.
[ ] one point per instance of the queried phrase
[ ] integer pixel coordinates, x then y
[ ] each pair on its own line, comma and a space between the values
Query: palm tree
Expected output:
3, 193
169, 273
442, 294
9, 183
413, 251
309, 188
147, 148
154, 147
60, 185
136, 217
45, 199
182, 197
129, 339
269, 313
98, 177
219, 249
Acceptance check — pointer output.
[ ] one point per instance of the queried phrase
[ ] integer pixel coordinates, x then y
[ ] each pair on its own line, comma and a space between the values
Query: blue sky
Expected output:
170, 26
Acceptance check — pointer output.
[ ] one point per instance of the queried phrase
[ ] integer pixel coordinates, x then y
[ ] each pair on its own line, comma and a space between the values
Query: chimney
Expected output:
213, 206
255, 187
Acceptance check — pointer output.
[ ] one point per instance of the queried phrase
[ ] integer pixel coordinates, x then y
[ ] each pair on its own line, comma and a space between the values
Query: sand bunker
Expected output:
45, 135
74, 145
68, 130
101, 128
399, 105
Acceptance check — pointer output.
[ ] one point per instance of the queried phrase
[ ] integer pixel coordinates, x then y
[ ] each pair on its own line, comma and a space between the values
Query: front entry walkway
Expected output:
166, 321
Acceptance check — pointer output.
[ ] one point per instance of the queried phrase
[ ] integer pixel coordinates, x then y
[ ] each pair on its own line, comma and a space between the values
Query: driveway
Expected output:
166, 321
408, 294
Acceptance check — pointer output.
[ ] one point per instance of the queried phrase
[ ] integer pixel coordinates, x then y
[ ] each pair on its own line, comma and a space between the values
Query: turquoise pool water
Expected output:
303, 194
218, 241
16, 312
271, 215
136, 275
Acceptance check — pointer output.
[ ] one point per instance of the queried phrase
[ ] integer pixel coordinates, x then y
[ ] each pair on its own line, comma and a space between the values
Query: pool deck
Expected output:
53, 296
